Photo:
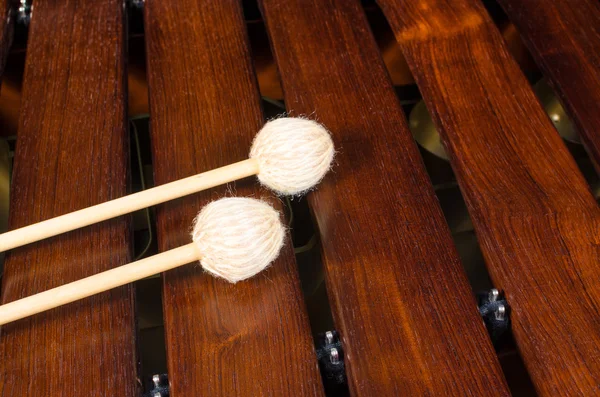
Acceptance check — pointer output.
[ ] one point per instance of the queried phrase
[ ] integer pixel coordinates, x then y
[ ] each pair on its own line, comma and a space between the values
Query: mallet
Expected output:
289, 155
233, 238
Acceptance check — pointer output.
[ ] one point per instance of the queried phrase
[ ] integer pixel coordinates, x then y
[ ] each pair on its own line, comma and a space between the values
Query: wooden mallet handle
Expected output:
98, 283
124, 205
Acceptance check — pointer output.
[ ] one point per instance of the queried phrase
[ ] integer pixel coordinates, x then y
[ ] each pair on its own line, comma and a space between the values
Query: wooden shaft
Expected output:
97, 283
124, 205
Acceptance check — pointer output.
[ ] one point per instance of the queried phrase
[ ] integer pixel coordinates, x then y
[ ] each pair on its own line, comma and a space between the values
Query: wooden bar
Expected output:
564, 38
251, 338
535, 218
399, 296
72, 152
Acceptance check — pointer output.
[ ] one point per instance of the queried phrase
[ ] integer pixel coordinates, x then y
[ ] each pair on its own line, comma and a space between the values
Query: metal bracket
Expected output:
157, 386
24, 11
331, 361
495, 313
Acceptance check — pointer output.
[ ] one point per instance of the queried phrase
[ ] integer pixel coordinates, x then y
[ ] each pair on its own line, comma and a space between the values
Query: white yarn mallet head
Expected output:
237, 237
293, 154
234, 238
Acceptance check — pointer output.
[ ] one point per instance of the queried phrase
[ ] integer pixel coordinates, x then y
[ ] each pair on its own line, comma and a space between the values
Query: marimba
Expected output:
399, 295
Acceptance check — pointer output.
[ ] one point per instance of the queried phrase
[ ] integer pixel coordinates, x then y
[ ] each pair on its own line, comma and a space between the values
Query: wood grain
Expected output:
399, 297
564, 38
535, 218
251, 338
72, 152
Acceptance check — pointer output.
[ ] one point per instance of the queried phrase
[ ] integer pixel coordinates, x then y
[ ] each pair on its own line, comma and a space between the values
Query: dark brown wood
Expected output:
72, 153
564, 38
535, 218
248, 339
398, 293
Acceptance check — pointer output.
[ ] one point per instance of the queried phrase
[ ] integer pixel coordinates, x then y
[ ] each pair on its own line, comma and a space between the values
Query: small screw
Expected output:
334, 356
500, 313
493, 295
329, 337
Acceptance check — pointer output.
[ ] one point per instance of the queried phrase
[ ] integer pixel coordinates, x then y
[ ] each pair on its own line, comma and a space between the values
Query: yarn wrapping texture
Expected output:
237, 237
294, 154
